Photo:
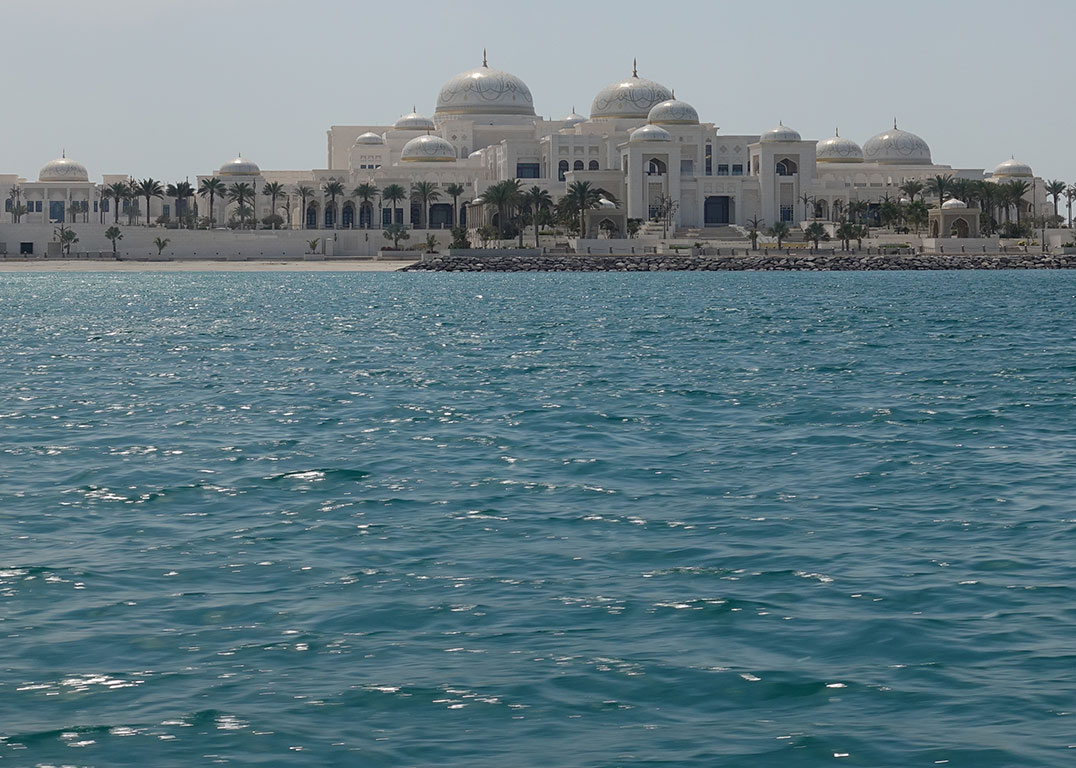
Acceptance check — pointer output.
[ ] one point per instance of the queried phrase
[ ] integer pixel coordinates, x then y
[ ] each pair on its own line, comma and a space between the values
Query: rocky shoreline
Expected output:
782, 261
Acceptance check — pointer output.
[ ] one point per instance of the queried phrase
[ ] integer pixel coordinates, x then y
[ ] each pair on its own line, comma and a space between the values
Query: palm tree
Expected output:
779, 230
273, 190
846, 231
537, 199
393, 194
1070, 195
504, 195
113, 233
333, 189
917, 215
940, 186
806, 199
180, 192
161, 243
754, 226
961, 189
424, 192
816, 231
304, 192
1055, 189
911, 188
366, 192
239, 193
583, 196
211, 187
454, 191
148, 188
116, 192
1018, 188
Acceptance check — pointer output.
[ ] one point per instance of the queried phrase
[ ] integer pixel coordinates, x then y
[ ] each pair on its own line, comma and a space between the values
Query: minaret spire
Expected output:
635, 67
484, 64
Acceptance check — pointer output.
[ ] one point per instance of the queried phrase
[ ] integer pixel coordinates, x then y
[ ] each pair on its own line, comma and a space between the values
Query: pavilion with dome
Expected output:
640, 144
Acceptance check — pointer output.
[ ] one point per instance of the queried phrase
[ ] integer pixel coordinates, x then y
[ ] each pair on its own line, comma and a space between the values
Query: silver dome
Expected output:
573, 120
954, 203
838, 149
896, 147
673, 112
63, 169
414, 122
428, 149
240, 166
1013, 168
485, 91
370, 138
633, 97
650, 133
781, 133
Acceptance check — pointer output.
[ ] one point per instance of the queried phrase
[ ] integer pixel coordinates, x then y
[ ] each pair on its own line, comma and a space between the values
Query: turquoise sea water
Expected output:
671, 519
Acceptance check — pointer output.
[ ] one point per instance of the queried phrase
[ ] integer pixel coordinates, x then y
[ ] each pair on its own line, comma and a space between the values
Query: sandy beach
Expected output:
94, 265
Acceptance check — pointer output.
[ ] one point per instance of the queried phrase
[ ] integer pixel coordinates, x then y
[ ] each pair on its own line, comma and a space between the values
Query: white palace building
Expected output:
639, 143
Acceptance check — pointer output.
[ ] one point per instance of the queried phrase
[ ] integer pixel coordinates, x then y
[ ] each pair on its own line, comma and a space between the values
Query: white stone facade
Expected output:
484, 129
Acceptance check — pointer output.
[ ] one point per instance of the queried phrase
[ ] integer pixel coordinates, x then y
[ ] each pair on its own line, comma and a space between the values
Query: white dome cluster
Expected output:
63, 169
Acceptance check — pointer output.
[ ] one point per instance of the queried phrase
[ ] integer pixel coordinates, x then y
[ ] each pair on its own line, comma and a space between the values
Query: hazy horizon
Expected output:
171, 92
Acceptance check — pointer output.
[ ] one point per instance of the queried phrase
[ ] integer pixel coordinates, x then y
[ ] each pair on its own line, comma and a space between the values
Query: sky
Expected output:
175, 89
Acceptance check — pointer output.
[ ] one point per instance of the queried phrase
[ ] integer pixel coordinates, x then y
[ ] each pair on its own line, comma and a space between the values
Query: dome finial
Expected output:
674, 93
635, 67
895, 124
63, 153
836, 131
484, 64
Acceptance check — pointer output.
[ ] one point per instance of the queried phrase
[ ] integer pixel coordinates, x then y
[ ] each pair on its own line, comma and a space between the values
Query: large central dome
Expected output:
484, 91
896, 147
631, 98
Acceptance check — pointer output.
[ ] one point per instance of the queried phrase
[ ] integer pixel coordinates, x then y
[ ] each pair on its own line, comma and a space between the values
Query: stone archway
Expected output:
609, 228
959, 227
934, 229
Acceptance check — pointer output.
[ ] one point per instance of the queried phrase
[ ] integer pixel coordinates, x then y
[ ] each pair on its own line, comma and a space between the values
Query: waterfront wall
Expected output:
807, 262
137, 243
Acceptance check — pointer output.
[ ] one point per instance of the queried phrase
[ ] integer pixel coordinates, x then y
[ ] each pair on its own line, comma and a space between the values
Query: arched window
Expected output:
562, 168
593, 165
785, 167
577, 165
655, 167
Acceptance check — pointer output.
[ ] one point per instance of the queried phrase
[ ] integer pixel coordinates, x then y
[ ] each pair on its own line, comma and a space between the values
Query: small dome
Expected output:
632, 97
63, 169
369, 138
781, 133
896, 147
485, 91
954, 203
673, 112
838, 150
428, 149
606, 203
1014, 168
414, 122
239, 167
573, 120
650, 133
474, 155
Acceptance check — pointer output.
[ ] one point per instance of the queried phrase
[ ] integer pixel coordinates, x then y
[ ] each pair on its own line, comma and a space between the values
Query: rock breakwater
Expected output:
820, 262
